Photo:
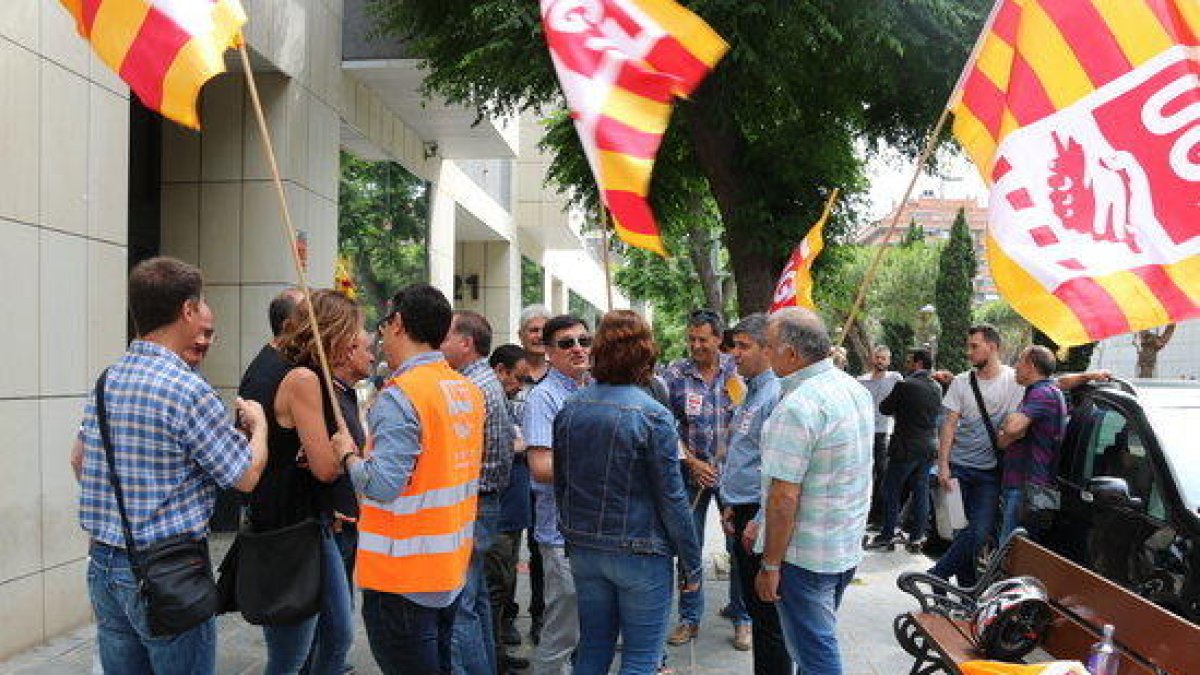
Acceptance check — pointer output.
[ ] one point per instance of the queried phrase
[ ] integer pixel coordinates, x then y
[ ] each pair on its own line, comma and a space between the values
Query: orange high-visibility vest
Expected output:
421, 542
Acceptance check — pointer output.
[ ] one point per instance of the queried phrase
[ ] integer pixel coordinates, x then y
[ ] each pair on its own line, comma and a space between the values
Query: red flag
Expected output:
620, 64
165, 50
1084, 115
796, 283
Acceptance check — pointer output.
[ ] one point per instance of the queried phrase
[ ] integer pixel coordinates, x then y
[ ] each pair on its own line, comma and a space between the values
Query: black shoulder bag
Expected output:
175, 574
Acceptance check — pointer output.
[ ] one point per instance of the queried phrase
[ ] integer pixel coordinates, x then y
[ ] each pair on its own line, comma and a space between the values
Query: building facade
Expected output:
935, 215
91, 183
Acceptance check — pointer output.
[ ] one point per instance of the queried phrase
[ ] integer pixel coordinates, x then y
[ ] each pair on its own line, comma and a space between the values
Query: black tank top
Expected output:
286, 493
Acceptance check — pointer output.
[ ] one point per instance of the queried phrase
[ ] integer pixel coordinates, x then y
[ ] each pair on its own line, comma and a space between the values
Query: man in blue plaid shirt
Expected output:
173, 445
701, 389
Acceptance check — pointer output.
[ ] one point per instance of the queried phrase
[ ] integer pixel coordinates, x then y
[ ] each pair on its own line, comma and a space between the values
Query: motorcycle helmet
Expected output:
1010, 618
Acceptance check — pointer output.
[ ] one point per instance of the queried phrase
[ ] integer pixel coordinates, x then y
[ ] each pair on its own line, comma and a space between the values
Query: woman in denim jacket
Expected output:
622, 506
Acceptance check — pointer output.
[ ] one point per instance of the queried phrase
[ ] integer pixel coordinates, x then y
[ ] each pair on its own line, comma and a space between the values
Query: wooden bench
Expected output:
1150, 640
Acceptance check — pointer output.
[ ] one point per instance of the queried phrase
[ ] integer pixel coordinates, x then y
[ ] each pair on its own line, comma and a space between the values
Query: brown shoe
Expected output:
683, 633
741, 637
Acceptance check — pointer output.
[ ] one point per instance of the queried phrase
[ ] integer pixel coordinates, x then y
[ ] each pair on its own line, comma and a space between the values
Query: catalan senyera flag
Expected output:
165, 50
621, 63
1084, 117
795, 285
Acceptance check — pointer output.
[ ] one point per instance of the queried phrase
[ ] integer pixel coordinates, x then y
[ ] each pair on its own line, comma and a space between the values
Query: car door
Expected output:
1112, 537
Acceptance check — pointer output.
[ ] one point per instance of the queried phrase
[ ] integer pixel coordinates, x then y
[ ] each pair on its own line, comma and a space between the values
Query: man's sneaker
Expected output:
683, 633
915, 545
882, 543
509, 634
741, 637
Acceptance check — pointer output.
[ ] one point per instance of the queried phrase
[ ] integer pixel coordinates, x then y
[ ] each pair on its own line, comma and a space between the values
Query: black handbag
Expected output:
175, 574
275, 577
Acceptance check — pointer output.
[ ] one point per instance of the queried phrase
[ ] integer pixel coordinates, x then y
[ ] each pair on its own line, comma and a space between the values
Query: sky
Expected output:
890, 172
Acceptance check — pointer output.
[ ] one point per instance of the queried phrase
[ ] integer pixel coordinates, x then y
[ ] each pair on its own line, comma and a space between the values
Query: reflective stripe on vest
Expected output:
421, 541
432, 543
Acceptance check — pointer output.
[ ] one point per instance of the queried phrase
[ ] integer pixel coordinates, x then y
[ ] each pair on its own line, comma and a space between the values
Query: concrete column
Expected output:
221, 208
441, 238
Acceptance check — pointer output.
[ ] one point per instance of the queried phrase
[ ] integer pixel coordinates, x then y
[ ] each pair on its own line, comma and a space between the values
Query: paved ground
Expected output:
866, 630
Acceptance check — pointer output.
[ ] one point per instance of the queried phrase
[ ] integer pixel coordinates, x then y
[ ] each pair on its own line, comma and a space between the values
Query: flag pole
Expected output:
926, 151
290, 231
605, 219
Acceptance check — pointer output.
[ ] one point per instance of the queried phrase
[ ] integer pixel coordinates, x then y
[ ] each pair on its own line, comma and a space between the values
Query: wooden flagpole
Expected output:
930, 145
605, 221
290, 231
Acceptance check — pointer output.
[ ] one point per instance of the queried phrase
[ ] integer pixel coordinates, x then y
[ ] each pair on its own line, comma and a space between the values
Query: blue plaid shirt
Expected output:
820, 436
497, 428
173, 445
702, 409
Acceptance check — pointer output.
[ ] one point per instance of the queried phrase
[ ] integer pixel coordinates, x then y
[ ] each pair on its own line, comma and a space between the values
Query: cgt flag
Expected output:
621, 63
165, 50
1084, 116
796, 283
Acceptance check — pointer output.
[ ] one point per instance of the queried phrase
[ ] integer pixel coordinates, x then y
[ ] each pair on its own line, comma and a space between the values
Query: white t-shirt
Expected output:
1001, 396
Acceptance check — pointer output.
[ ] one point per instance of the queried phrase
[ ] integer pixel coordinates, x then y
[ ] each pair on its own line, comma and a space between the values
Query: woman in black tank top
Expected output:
304, 452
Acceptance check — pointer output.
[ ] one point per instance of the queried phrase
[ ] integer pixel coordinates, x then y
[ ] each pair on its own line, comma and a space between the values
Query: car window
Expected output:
1114, 448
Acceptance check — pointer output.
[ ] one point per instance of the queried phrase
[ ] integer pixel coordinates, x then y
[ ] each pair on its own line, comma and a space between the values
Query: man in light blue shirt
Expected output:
741, 489
568, 350
816, 464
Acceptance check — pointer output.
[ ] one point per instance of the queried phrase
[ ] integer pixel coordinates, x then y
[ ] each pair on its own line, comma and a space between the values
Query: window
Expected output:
1114, 448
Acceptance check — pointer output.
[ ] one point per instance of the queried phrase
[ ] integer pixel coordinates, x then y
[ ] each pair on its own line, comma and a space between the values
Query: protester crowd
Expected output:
417, 481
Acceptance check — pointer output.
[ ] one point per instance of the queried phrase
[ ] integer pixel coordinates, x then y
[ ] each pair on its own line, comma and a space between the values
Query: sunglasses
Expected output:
584, 341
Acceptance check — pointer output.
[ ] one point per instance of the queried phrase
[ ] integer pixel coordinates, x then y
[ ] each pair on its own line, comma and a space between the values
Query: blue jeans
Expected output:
807, 609
289, 646
407, 638
621, 594
1010, 511
473, 645
900, 475
123, 636
691, 604
980, 494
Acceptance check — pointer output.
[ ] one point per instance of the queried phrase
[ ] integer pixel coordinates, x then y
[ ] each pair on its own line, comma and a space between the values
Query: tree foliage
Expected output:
768, 134
383, 217
955, 288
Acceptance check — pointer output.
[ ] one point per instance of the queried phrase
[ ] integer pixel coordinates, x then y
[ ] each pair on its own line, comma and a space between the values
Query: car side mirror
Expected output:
1111, 491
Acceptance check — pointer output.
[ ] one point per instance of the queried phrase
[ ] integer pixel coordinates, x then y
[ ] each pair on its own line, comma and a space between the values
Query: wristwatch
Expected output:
768, 567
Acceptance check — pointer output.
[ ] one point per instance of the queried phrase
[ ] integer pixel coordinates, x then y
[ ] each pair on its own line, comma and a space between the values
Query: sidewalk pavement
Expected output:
868, 647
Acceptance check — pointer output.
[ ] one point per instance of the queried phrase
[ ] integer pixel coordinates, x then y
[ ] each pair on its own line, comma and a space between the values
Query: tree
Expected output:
954, 291
1148, 344
767, 135
382, 220
915, 234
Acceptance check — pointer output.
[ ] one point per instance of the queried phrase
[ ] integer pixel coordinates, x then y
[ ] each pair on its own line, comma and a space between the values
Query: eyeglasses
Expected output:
584, 341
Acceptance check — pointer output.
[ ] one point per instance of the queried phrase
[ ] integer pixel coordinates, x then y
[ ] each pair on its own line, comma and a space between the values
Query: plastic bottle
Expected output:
1102, 659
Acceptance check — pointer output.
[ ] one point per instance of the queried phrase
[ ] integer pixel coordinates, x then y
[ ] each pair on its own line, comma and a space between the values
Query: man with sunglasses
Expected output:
703, 388
568, 351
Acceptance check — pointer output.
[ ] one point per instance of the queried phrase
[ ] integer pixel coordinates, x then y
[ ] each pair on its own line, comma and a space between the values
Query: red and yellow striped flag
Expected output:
1084, 116
165, 50
795, 285
621, 63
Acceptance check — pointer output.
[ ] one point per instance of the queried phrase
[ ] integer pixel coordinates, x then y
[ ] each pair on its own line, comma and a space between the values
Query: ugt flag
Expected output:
1084, 115
165, 50
795, 285
621, 63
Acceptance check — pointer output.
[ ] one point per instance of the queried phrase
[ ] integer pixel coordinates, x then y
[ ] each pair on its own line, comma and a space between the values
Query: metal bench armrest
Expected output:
937, 596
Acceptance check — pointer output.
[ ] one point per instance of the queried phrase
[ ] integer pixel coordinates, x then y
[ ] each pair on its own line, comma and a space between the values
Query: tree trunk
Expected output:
700, 249
1149, 343
716, 149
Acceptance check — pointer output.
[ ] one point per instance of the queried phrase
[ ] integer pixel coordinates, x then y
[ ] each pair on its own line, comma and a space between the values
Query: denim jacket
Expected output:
617, 478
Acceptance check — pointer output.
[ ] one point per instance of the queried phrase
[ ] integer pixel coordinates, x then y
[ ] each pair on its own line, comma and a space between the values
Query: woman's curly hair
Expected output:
339, 318
624, 350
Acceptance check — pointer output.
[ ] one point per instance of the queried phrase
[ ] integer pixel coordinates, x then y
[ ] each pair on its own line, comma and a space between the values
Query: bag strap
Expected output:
106, 441
983, 412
